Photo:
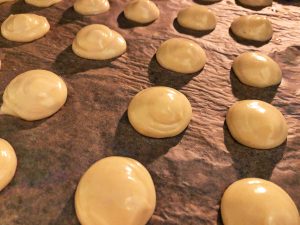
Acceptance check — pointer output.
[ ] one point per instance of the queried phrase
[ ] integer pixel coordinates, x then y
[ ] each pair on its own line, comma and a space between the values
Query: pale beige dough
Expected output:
159, 112
98, 42
34, 95
256, 124
24, 27
8, 163
255, 201
197, 17
91, 7
141, 11
115, 191
2, 1
252, 27
257, 70
256, 3
42, 3
181, 55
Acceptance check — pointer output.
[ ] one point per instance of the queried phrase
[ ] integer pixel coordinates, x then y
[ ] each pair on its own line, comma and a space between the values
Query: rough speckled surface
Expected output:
190, 171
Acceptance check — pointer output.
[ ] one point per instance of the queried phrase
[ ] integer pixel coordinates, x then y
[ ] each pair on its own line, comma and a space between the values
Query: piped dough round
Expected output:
91, 7
256, 3
255, 201
256, 124
197, 17
181, 55
98, 42
115, 191
2, 1
252, 27
8, 163
159, 112
42, 3
34, 95
141, 11
24, 27
257, 70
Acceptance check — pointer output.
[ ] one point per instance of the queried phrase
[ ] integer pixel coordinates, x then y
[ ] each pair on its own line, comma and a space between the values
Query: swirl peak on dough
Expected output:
91, 7
42, 3
34, 95
98, 42
24, 27
159, 112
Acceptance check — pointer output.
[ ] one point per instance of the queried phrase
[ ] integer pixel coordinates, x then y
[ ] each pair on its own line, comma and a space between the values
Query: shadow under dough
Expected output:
191, 32
207, 2
124, 23
69, 16
247, 42
22, 7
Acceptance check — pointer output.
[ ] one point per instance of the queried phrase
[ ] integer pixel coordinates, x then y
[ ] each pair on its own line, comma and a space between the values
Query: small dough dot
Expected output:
181, 55
256, 124
42, 3
91, 7
159, 112
115, 191
34, 95
256, 3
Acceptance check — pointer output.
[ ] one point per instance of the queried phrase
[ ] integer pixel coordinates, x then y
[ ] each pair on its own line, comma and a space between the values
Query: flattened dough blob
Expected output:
197, 17
8, 163
115, 191
257, 70
252, 27
34, 95
141, 11
42, 3
91, 7
159, 112
2, 1
98, 42
24, 27
255, 201
181, 55
256, 124
256, 3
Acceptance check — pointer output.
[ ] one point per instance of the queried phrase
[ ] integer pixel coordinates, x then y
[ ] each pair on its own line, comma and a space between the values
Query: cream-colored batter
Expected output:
255, 201
42, 3
257, 70
24, 27
91, 7
2, 1
181, 55
115, 191
197, 17
252, 27
256, 3
141, 11
34, 95
159, 112
256, 124
98, 42
8, 163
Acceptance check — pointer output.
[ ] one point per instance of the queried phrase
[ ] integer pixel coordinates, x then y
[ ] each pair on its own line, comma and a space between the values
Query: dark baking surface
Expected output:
190, 171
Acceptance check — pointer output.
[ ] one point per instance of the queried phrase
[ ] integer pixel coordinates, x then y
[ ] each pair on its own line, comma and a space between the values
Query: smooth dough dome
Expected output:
91, 7
2, 1
8, 163
98, 42
257, 70
141, 11
24, 27
197, 17
115, 191
159, 112
256, 3
255, 201
252, 27
256, 124
34, 95
181, 55
42, 3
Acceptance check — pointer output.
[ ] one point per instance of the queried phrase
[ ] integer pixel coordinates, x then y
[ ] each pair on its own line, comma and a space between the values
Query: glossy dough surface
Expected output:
257, 70
256, 124
159, 112
197, 17
115, 191
141, 11
91, 7
34, 95
256, 3
98, 42
24, 27
252, 27
42, 3
181, 55
8, 163
255, 201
